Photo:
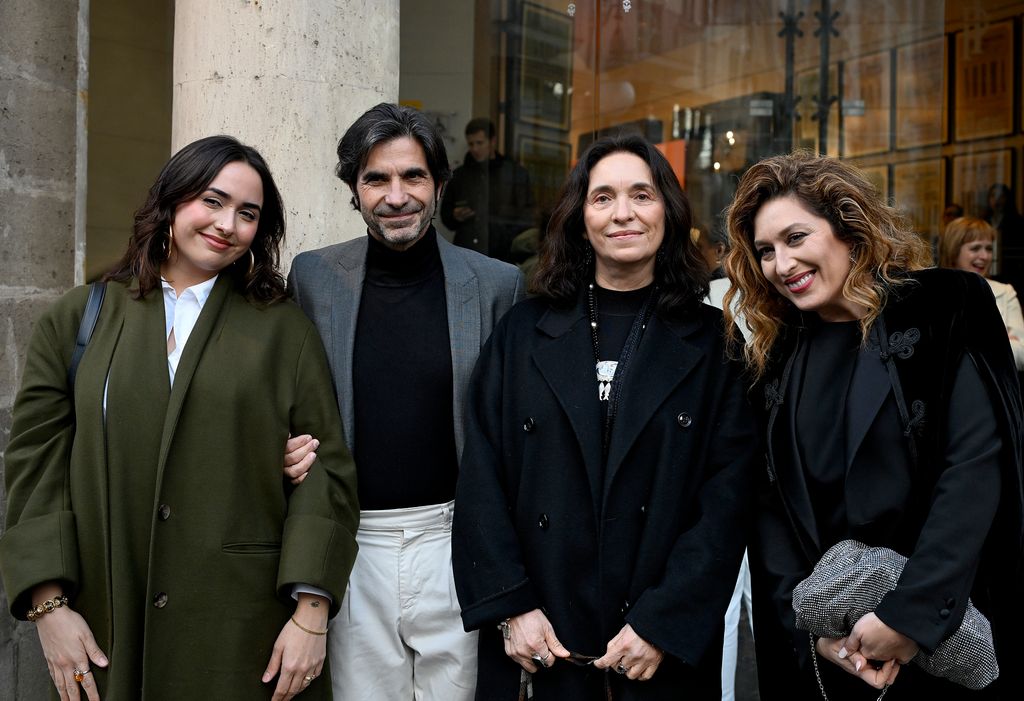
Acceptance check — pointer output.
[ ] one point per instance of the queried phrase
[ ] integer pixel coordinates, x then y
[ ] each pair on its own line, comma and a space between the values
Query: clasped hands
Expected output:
531, 641
870, 641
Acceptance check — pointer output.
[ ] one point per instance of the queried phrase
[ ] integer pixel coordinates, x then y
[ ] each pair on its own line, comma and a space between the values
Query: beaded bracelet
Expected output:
45, 607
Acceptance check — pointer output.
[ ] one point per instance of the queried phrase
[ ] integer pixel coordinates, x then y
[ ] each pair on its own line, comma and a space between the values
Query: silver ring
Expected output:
536, 657
308, 679
545, 658
620, 669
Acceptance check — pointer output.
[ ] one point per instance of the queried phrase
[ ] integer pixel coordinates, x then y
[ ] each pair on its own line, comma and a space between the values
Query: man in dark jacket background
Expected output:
488, 201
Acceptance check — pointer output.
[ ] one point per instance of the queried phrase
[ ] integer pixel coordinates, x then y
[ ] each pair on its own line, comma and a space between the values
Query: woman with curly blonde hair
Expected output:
892, 417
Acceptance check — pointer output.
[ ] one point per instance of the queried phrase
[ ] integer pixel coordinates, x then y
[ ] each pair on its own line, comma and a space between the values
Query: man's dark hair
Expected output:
480, 124
383, 123
680, 272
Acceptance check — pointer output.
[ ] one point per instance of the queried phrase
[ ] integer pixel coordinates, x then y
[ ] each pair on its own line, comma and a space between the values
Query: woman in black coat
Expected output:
892, 417
601, 518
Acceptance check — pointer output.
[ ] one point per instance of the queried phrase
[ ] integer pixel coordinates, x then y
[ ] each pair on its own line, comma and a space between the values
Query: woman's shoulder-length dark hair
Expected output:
680, 272
185, 176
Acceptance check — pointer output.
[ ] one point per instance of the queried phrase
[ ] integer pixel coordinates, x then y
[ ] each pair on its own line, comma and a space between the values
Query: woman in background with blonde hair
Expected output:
966, 244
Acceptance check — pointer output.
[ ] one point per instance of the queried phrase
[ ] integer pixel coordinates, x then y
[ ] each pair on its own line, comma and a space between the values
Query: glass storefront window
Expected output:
924, 96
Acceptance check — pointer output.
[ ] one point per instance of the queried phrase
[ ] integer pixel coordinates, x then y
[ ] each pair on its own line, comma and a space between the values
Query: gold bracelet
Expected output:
49, 606
308, 630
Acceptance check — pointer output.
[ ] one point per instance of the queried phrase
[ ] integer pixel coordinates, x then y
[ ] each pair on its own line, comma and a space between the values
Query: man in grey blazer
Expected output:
402, 314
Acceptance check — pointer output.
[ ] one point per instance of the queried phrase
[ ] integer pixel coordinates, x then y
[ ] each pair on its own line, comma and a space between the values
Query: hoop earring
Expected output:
252, 262
588, 256
168, 243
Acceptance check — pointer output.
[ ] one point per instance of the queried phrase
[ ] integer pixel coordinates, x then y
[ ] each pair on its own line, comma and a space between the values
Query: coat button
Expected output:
160, 600
529, 424
950, 603
164, 512
543, 522
684, 420
643, 509
944, 613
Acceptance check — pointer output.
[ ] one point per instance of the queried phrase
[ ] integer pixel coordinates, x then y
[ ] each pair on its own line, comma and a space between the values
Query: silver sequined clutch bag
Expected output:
850, 580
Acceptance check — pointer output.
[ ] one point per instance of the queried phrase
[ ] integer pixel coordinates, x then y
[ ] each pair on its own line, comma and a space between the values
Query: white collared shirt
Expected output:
180, 314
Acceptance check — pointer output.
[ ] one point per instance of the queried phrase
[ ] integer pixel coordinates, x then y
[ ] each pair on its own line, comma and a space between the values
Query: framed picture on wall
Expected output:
984, 81
879, 177
547, 162
546, 71
920, 93
975, 173
805, 126
866, 105
918, 192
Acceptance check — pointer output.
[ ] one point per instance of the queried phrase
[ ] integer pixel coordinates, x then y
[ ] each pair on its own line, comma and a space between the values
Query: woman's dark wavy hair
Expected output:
184, 177
679, 270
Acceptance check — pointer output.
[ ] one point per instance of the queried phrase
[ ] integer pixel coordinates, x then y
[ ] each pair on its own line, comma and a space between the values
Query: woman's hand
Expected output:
877, 641
299, 456
299, 655
68, 644
631, 655
833, 650
531, 639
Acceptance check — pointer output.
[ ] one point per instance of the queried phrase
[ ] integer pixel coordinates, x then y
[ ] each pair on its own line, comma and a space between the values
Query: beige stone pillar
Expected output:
287, 78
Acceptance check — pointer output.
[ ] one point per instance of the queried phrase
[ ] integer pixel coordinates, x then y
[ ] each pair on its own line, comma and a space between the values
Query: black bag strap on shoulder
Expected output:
85, 329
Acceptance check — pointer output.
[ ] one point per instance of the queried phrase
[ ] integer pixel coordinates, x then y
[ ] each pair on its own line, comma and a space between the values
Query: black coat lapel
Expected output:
869, 387
662, 360
567, 365
792, 483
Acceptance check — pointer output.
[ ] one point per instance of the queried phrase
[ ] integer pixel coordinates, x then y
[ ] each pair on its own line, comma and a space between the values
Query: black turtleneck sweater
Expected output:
402, 380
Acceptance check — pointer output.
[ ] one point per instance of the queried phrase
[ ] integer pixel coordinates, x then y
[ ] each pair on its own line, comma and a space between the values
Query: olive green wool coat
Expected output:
169, 521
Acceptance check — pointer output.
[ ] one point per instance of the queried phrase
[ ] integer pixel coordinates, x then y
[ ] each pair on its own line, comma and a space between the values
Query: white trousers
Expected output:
740, 595
399, 635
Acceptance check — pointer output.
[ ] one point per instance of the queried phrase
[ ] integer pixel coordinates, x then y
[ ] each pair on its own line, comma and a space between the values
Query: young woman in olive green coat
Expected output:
150, 530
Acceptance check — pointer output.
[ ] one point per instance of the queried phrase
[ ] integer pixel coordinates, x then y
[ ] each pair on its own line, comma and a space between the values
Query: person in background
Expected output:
488, 201
403, 314
967, 244
891, 414
150, 534
604, 490
951, 212
1002, 214
714, 248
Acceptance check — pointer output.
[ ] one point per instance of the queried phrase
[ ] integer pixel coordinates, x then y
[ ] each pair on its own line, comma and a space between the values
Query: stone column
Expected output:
43, 59
288, 79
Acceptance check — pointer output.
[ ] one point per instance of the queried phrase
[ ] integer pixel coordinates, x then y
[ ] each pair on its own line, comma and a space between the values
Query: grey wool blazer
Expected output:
328, 284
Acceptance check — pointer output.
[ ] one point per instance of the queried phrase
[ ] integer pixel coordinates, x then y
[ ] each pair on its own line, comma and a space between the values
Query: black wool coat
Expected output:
908, 487
652, 536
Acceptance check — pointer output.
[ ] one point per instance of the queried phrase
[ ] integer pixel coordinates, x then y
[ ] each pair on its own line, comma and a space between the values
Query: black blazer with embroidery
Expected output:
958, 518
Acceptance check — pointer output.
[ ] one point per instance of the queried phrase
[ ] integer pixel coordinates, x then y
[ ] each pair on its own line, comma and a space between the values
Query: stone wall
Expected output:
42, 107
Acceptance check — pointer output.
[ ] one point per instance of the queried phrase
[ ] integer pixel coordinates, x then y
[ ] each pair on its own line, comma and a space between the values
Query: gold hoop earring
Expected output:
169, 242
252, 262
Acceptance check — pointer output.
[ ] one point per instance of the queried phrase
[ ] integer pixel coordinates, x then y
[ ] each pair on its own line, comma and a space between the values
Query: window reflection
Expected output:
922, 95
